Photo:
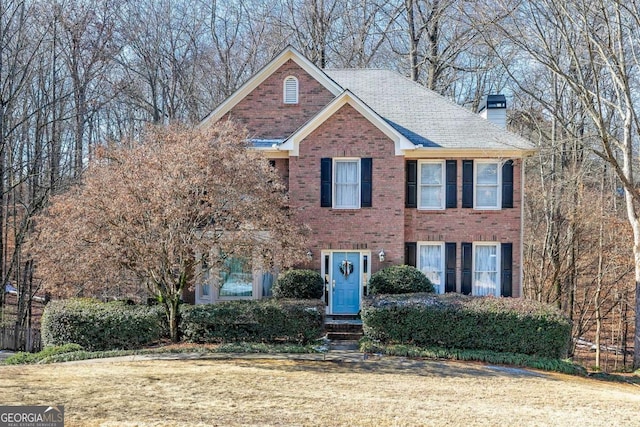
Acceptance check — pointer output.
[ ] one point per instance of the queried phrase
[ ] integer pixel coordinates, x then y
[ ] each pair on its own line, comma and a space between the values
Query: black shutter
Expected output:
410, 253
326, 176
467, 183
452, 184
366, 173
450, 267
411, 196
467, 263
507, 184
506, 259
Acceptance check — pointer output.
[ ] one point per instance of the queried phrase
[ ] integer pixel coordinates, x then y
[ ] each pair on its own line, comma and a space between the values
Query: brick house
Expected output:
384, 172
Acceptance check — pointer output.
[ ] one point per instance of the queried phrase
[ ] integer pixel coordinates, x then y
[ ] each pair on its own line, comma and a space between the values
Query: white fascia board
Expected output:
292, 144
470, 153
244, 90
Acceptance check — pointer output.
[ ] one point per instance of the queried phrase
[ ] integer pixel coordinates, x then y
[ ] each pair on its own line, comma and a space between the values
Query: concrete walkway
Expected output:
4, 354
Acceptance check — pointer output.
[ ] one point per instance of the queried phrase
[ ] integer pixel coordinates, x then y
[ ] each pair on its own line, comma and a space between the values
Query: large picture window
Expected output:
346, 183
236, 278
486, 264
432, 192
431, 263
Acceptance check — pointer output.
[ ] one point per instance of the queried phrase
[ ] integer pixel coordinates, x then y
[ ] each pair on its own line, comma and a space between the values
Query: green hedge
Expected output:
299, 284
267, 320
457, 321
99, 326
399, 279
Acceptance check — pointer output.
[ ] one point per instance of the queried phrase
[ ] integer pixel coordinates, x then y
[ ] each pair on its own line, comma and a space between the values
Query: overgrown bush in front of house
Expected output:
299, 284
267, 320
399, 279
513, 325
98, 326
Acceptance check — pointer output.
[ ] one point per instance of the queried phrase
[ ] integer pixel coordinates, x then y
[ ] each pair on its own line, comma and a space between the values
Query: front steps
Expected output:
343, 332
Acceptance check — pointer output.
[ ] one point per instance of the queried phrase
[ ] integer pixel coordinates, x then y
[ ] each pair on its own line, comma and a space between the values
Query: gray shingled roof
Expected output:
423, 116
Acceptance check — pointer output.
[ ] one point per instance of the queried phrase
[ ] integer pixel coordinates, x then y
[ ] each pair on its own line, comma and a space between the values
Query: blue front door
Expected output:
346, 283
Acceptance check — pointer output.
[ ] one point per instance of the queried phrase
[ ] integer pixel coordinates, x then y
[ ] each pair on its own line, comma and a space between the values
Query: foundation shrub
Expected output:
299, 284
266, 320
399, 279
512, 325
98, 326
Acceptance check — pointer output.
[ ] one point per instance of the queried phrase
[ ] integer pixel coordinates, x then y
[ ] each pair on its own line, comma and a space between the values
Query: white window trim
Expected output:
443, 187
442, 262
284, 90
334, 182
204, 280
498, 289
498, 164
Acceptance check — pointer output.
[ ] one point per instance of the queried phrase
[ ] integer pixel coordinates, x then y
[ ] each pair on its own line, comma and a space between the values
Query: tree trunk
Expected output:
173, 316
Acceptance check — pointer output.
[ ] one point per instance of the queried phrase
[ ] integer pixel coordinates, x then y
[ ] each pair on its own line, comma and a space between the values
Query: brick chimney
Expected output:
494, 109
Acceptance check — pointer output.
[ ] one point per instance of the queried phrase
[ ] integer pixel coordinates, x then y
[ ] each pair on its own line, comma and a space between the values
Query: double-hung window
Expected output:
346, 183
486, 265
431, 263
431, 182
487, 189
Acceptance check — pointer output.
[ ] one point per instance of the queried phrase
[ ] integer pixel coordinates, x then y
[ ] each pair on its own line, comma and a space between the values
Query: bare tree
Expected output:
591, 47
150, 210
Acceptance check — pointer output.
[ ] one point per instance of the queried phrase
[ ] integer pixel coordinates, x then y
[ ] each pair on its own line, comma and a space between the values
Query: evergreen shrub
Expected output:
512, 325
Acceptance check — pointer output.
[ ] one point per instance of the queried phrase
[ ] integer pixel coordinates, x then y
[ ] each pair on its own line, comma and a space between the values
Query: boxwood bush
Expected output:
457, 321
299, 284
399, 279
99, 326
267, 320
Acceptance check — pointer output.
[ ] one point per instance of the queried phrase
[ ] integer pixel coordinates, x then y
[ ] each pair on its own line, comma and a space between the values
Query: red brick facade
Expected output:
265, 116
469, 225
387, 224
348, 134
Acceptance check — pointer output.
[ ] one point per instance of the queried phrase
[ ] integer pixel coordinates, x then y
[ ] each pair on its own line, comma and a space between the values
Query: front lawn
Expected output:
390, 391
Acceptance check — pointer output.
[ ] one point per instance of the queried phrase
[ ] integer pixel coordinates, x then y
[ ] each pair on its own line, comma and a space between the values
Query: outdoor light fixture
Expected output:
309, 255
381, 255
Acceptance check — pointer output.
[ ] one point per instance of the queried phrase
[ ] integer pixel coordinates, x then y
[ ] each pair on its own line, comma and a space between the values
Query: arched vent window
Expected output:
290, 90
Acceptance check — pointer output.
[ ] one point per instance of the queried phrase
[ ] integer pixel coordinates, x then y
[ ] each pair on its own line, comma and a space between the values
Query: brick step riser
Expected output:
344, 336
343, 328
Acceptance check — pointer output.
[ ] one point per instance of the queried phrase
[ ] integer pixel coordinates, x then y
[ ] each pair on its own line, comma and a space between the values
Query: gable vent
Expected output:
290, 90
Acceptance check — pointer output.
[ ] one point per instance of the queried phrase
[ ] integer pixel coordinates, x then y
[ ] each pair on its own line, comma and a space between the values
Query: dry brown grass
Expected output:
389, 392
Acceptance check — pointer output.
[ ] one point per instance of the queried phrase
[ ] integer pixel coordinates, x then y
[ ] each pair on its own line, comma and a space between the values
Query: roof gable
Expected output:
287, 54
292, 144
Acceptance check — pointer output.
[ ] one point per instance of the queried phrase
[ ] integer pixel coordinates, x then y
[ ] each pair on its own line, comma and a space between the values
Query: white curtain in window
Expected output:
431, 265
346, 184
237, 279
487, 184
486, 270
431, 188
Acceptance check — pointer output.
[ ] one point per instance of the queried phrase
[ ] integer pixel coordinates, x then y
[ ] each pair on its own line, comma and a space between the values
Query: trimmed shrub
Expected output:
99, 326
512, 325
266, 320
299, 284
399, 279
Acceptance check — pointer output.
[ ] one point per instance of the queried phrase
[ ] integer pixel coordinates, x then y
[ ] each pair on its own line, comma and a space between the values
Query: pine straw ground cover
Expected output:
390, 391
